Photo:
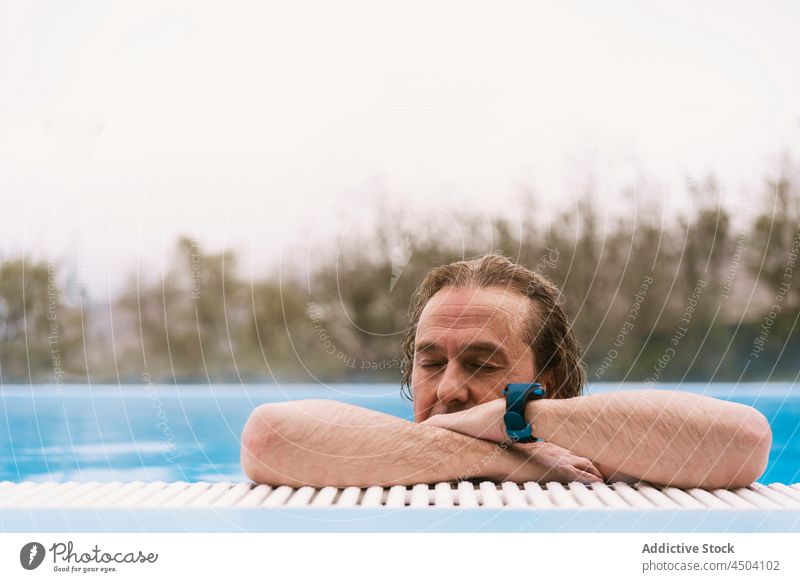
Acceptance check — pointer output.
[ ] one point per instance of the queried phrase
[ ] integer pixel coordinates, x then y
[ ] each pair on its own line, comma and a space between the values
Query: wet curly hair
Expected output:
547, 330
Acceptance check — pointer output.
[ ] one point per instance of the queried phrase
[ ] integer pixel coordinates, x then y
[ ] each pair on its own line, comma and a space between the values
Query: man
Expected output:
477, 326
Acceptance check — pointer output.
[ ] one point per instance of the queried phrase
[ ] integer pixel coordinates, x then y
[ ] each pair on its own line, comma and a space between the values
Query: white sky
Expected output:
125, 124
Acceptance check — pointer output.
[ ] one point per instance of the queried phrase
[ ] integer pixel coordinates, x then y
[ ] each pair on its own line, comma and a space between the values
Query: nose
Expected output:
452, 390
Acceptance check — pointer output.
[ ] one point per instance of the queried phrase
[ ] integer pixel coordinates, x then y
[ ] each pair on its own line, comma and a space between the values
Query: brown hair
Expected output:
547, 330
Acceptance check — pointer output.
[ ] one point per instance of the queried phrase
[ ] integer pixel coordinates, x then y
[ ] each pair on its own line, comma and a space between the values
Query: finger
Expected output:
584, 477
435, 420
590, 467
583, 463
597, 474
445, 420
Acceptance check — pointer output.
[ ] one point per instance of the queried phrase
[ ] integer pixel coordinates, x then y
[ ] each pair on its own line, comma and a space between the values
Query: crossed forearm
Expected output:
328, 443
665, 437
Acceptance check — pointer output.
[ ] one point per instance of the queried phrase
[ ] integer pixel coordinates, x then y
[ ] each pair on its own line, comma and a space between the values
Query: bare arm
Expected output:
665, 437
324, 442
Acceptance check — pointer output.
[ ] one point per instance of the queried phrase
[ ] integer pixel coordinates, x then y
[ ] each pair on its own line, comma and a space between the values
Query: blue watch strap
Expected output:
517, 396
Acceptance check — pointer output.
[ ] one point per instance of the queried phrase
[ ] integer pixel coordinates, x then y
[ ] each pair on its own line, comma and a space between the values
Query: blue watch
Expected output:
517, 396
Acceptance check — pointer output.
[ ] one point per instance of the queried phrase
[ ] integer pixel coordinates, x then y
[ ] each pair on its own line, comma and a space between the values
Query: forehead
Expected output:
470, 313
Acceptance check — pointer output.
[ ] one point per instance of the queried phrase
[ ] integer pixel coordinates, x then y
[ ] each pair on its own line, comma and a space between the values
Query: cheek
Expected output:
422, 408
489, 392
419, 413
424, 398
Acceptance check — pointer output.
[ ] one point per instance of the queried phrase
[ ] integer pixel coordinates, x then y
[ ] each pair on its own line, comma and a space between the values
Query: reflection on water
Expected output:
192, 433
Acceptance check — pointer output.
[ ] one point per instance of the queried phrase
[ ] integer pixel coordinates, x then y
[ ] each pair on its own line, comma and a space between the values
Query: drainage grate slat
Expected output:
609, 496
373, 497
325, 497
784, 490
255, 497
443, 495
489, 496
514, 497
466, 495
661, 499
463, 494
207, 497
633, 497
585, 496
537, 496
278, 497
53, 495
683, 498
561, 497
420, 495
233, 495
137, 495
349, 497
396, 497
187, 495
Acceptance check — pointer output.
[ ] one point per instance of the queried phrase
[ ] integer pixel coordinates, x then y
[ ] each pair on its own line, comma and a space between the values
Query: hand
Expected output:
548, 462
484, 421
541, 461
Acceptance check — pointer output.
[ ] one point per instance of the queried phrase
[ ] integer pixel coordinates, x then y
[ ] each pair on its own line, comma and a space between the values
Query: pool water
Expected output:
192, 433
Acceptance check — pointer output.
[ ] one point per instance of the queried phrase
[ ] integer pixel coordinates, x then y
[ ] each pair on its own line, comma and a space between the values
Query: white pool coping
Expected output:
246, 507
464, 494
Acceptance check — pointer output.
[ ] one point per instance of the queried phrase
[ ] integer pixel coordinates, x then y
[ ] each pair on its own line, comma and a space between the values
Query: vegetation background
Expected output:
707, 295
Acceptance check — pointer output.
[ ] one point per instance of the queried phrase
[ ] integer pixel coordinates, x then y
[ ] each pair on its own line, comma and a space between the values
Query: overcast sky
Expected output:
255, 126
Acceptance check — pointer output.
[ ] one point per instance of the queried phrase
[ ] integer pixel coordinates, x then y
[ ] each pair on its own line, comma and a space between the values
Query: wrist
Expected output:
539, 414
500, 462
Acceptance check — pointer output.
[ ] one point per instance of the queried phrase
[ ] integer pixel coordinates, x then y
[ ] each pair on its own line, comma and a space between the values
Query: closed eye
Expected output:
486, 367
432, 365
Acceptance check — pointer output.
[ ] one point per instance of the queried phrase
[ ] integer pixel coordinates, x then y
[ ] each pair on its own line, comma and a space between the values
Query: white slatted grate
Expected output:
775, 496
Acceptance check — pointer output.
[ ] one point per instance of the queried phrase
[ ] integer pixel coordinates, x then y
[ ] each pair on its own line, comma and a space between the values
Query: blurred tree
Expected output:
28, 293
627, 275
776, 239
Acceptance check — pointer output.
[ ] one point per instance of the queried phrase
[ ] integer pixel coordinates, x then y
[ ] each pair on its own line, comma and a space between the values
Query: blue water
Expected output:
192, 433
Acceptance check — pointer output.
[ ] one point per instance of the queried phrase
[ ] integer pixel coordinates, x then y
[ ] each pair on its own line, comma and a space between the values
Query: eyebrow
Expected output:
486, 348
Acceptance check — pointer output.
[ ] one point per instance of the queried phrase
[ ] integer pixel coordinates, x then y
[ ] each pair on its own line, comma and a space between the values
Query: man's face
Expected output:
469, 345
